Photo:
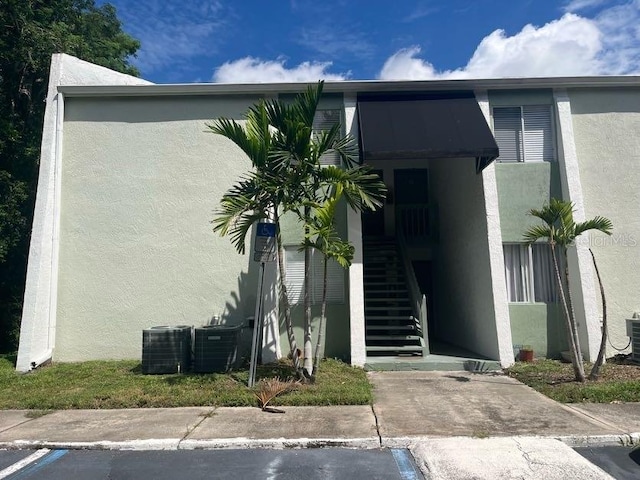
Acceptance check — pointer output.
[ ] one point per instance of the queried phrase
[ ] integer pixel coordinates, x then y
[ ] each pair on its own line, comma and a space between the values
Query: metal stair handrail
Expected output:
418, 299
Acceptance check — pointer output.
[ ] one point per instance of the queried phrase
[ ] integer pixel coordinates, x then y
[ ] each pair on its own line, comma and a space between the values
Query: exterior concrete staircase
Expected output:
391, 326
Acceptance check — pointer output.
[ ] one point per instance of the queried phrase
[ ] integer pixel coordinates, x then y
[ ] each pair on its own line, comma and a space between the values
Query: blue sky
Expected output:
304, 40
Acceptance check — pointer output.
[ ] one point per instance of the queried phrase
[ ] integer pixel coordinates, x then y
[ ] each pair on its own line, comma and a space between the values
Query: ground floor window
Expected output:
529, 273
294, 267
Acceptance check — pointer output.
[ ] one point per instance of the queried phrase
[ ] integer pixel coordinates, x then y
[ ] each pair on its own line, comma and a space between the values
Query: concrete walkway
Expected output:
429, 412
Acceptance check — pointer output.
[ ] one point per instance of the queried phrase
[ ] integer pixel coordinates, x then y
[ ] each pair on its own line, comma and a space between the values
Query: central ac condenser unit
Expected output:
215, 348
633, 332
166, 349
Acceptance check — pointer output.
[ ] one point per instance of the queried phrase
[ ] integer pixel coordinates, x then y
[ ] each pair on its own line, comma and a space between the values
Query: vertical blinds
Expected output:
294, 266
524, 134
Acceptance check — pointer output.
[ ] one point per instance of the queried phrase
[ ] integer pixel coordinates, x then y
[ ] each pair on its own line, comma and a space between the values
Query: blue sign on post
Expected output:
265, 244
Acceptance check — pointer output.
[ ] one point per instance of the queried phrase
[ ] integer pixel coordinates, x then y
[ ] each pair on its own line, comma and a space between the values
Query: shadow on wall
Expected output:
240, 307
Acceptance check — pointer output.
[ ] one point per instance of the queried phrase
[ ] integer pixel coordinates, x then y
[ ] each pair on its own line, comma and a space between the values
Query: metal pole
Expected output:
257, 330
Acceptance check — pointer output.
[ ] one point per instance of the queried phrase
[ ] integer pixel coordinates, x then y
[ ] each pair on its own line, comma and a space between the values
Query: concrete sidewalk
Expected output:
457, 425
408, 405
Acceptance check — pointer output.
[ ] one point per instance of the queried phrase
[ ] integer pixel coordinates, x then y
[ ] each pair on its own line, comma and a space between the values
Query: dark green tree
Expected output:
30, 32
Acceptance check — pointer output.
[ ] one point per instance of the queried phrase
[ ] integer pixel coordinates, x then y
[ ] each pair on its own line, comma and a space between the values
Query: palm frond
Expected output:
538, 232
601, 224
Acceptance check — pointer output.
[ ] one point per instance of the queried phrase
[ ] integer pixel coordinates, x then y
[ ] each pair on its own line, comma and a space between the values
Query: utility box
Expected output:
215, 348
166, 349
633, 332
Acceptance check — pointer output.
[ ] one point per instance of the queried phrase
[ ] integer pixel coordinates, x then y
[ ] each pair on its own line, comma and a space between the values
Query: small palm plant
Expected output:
324, 237
560, 231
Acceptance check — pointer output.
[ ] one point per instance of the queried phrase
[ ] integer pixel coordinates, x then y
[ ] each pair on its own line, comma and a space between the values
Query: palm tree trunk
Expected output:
321, 325
308, 347
595, 370
284, 298
574, 323
567, 317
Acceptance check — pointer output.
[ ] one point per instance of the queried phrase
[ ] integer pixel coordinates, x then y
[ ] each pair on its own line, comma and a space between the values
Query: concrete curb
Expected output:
301, 443
151, 444
212, 444
279, 443
600, 440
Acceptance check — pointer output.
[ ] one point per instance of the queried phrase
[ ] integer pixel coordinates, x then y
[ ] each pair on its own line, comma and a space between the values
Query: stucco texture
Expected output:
606, 126
140, 182
465, 313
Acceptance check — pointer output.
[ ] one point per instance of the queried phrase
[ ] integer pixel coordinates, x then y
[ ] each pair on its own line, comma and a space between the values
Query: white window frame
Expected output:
529, 295
524, 156
336, 284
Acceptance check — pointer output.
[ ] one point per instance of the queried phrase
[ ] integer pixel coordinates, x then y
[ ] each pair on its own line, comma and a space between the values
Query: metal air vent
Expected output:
215, 348
166, 349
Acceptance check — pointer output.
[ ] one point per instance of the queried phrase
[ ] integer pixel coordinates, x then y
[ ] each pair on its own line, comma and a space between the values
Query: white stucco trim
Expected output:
583, 289
496, 257
38, 318
357, 329
38, 325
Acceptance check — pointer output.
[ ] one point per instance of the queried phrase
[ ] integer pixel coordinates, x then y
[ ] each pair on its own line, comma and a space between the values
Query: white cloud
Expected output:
571, 45
255, 70
334, 42
420, 11
576, 5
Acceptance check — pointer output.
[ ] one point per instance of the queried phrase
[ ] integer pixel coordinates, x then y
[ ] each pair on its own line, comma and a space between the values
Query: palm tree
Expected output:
560, 231
287, 177
325, 239
258, 195
296, 145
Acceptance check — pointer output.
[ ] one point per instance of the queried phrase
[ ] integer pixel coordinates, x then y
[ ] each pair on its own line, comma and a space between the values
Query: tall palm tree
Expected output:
257, 196
297, 145
287, 177
560, 231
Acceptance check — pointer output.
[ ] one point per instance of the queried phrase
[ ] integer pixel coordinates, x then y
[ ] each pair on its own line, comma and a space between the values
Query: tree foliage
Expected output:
560, 231
287, 177
30, 32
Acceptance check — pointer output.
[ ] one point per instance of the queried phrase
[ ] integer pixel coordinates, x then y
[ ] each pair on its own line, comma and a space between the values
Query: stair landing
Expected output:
444, 357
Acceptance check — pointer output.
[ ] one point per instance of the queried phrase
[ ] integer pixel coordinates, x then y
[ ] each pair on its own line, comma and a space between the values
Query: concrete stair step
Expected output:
417, 349
378, 299
400, 328
385, 308
395, 338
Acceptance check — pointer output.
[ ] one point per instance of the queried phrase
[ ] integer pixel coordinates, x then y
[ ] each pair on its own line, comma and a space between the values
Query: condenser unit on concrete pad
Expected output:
166, 349
215, 348
633, 332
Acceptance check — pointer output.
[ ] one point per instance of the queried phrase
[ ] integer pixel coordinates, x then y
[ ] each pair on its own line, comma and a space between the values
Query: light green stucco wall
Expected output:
521, 187
464, 313
140, 182
606, 126
540, 326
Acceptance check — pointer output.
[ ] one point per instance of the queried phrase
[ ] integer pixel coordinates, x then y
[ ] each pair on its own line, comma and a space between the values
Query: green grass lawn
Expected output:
619, 382
120, 384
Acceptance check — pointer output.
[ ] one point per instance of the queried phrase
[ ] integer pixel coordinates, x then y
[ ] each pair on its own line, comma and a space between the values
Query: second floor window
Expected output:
524, 133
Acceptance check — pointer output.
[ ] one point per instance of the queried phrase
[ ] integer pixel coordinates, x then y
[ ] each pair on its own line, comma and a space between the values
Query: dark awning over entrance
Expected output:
417, 127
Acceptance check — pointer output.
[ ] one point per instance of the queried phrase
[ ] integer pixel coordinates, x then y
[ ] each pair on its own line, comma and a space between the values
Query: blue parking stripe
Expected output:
44, 461
403, 461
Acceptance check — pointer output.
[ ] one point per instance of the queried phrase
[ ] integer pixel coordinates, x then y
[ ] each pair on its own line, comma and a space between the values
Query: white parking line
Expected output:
23, 463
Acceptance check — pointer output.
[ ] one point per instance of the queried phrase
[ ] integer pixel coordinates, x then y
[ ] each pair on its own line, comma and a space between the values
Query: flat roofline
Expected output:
347, 87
